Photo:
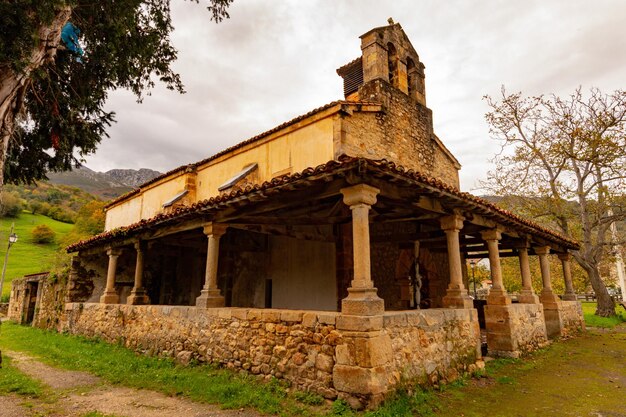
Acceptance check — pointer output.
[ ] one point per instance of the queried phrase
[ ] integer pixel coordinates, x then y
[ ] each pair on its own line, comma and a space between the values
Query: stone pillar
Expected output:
110, 295
362, 299
527, 295
456, 295
547, 295
569, 295
497, 294
138, 295
362, 370
550, 301
210, 295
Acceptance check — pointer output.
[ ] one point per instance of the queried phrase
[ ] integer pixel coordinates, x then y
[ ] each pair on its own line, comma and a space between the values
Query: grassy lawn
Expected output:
27, 257
579, 376
13, 381
591, 320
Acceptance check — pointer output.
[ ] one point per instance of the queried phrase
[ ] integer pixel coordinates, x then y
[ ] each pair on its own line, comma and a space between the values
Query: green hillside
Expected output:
27, 257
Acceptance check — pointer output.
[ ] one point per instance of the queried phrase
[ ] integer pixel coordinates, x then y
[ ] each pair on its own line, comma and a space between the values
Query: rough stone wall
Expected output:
572, 317
433, 345
294, 345
4, 309
50, 308
402, 133
16, 302
515, 329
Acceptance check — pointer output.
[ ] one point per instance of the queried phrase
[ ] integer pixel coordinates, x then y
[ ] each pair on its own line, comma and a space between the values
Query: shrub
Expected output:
43, 234
11, 205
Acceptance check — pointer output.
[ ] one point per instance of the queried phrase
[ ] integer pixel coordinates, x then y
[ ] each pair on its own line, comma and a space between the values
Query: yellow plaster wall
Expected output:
295, 151
153, 198
123, 214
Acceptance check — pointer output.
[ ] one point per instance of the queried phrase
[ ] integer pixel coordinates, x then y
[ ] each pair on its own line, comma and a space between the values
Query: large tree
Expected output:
51, 98
567, 158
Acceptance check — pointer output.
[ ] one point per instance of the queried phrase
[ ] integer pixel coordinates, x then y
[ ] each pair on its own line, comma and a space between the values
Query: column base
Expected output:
528, 297
457, 298
362, 302
110, 297
210, 299
498, 297
138, 297
549, 297
570, 297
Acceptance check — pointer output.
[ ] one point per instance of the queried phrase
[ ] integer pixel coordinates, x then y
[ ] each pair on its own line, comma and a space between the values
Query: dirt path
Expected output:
77, 393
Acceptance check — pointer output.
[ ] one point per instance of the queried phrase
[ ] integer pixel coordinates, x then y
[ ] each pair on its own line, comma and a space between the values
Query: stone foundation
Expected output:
434, 345
515, 329
305, 348
572, 317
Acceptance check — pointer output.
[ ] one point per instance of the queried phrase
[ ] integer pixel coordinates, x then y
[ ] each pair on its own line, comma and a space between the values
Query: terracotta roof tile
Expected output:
330, 168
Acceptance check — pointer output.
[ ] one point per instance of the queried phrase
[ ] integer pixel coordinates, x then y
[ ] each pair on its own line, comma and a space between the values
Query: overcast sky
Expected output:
275, 60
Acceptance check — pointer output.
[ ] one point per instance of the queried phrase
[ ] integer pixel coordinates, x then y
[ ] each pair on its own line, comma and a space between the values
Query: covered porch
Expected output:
374, 252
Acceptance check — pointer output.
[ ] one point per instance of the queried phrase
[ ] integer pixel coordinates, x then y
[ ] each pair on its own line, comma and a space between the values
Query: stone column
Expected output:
456, 295
569, 295
110, 295
497, 294
362, 299
547, 295
527, 295
138, 295
210, 295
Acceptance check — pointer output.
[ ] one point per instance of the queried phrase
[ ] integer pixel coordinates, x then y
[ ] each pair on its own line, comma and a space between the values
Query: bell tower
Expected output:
387, 55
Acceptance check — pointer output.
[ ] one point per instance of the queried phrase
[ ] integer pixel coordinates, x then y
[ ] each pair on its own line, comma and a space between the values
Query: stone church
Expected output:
329, 251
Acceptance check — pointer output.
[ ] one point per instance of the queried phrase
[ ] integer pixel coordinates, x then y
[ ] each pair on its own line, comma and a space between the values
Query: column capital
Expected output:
215, 229
491, 234
360, 194
452, 222
542, 250
139, 245
114, 251
565, 256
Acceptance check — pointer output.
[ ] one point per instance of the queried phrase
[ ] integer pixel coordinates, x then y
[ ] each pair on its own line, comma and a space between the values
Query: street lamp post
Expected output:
12, 240
473, 265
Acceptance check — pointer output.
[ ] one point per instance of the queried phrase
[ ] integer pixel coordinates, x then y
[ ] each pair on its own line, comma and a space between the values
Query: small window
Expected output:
174, 199
392, 62
238, 177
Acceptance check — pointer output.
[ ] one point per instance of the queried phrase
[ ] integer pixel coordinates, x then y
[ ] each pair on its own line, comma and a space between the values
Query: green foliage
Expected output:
127, 45
308, 398
11, 205
12, 381
43, 234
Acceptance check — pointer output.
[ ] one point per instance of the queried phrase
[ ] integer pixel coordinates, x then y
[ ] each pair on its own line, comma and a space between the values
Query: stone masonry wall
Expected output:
433, 345
515, 329
572, 317
16, 302
294, 345
402, 133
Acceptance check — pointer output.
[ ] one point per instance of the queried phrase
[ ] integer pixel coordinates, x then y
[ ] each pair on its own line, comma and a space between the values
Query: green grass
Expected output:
591, 320
26, 256
12, 381
119, 365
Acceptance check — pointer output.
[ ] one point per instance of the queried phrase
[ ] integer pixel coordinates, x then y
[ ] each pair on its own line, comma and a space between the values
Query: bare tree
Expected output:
566, 158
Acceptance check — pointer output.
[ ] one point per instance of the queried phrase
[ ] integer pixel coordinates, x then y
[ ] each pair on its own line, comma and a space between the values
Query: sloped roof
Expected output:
335, 168
237, 146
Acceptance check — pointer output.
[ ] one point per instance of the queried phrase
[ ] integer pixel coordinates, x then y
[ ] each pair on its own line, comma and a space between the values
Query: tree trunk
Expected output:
606, 305
13, 85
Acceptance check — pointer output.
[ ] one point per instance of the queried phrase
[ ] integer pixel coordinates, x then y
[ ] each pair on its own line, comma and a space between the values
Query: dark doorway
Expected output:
31, 301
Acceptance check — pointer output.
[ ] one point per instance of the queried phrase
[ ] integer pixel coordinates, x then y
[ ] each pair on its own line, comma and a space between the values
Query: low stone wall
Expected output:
295, 345
515, 329
4, 309
572, 317
433, 345
16, 302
